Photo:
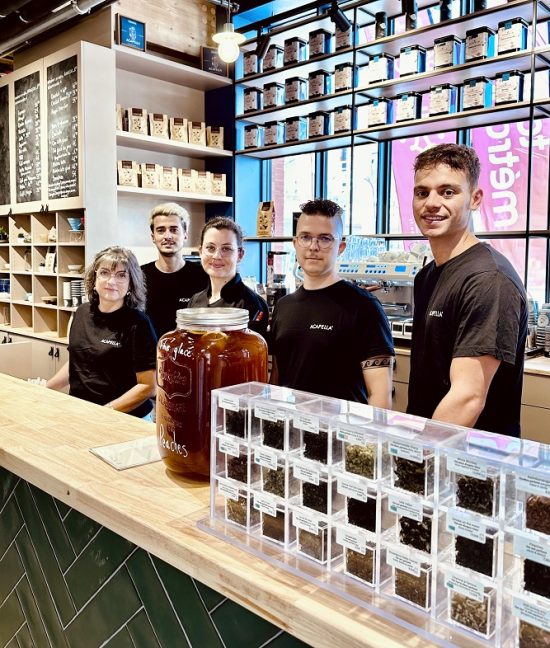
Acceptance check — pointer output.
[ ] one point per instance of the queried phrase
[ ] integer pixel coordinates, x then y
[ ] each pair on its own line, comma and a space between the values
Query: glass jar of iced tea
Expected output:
210, 348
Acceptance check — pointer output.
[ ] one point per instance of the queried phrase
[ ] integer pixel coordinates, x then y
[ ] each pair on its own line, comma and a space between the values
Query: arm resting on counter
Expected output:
60, 380
378, 374
138, 394
470, 382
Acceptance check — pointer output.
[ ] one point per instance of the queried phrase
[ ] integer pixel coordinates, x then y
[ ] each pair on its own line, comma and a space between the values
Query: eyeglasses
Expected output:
324, 241
120, 277
224, 250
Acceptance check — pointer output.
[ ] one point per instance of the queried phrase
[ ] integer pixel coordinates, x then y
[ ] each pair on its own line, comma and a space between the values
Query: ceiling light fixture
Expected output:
228, 39
338, 17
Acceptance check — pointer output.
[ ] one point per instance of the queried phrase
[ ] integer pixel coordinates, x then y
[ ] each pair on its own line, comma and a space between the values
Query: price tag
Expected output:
466, 526
305, 521
531, 613
306, 422
530, 483
229, 402
228, 446
532, 550
467, 466
229, 490
306, 473
265, 458
406, 507
465, 586
406, 450
267, 412
354, 539
403, 562
265, 504
352, 488
352, 435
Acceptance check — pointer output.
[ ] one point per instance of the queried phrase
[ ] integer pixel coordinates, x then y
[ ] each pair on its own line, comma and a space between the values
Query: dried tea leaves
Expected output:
474, 555
415, 589
537, 513
416, 534
476, 494
360, 565
470, 613
360, 460
362, 514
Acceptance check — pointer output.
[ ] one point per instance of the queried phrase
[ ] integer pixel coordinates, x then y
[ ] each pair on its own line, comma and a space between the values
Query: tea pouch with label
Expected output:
178, 129
158, 125
137, 121
265, 218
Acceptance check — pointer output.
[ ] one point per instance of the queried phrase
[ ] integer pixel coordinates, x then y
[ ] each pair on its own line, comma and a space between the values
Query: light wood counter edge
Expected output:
36, 446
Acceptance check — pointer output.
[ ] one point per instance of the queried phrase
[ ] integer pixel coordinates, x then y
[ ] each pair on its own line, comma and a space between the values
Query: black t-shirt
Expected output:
320, 337
167, 292
106, 351
471, 306
238, 295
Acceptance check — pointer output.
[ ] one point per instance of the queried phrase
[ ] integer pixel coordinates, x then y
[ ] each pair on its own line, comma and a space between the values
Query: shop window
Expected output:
365, 178
537, 278
338, 166
292, 183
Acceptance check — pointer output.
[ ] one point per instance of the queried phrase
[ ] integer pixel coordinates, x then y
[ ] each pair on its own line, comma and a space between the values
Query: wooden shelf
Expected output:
162, 145
174, 195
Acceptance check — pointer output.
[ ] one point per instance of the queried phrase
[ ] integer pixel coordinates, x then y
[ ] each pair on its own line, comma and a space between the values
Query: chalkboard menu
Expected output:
28, 171
62, 83
4, 147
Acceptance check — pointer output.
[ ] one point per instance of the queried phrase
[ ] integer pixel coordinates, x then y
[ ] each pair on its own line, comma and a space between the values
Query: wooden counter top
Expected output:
45, 438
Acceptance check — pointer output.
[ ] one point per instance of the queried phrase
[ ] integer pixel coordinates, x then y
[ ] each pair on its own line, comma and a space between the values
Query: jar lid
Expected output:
212, 317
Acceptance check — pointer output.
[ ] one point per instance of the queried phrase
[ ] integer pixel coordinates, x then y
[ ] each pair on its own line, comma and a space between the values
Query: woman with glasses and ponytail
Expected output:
112, 344
221, 250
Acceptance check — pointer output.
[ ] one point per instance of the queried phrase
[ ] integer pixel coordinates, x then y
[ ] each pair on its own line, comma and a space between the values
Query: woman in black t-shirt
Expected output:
112, 345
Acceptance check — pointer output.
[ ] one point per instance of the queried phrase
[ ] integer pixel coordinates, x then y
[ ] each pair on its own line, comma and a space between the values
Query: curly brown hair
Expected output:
113, 256
458, 157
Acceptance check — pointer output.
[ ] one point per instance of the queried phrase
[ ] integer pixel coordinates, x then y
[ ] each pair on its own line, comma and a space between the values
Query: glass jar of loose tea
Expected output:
210, 348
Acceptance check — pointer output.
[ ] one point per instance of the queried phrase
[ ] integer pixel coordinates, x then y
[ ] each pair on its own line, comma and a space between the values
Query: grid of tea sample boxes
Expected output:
451, 521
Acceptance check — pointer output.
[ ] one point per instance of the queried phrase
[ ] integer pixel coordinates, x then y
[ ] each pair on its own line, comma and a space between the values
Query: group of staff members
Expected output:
329, 337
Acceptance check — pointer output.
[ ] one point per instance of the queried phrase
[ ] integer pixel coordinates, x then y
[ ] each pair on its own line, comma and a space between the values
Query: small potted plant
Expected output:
3, 234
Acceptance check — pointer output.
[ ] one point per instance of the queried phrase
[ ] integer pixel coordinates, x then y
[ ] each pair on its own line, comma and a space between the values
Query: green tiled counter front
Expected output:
66, 581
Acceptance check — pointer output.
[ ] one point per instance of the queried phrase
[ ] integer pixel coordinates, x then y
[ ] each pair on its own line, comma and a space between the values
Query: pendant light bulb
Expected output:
228, 43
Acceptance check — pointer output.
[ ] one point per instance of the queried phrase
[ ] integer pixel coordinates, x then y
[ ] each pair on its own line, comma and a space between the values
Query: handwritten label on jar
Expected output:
228, 446
265, 504
467, 466
354, 539
406, 507
406, 450
229, 490
306, 422
465, 586
267, 412
229, 402
306, 473
352, 488
403, 562
533, 484
305, 521
352, 435
532, 550
265, 458
531, 613
466, 526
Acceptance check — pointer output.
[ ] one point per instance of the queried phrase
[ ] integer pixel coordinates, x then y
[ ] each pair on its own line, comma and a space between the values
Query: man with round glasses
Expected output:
330, 337
171, 281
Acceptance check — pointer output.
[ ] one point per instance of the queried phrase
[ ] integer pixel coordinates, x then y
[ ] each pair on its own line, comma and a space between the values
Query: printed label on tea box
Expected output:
352, 488
406, 450
228, 446
305, 521
229, 402
467, 466
229, 490
532, 550
354, 539
533, 484
306, 473
464, 525
465, 586
306, 422
403, 562
531, 613
265, 504
406, 507
265, 458
352, 435
267, 412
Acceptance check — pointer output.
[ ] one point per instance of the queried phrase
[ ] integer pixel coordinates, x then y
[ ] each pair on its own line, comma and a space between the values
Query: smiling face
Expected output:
168, 235
220, 253
111, 285
317, 263
442, 203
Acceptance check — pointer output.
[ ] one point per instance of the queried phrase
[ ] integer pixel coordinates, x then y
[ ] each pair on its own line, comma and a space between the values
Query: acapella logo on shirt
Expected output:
111, 342
435, 313
321, 327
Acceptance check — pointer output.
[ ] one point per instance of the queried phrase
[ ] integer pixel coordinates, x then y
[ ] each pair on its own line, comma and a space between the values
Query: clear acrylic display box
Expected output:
361, 556
411, 576
311, 422
277, 477
276, 524
313, 535
318, 489
231, 410
531, 556
531, 619
238, 505
235, 460
365, 506
364, 450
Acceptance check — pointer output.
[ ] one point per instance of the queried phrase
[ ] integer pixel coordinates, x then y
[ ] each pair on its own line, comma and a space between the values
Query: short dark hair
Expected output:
221, 223
458, 157
327, 208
